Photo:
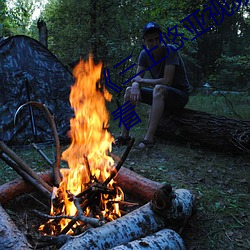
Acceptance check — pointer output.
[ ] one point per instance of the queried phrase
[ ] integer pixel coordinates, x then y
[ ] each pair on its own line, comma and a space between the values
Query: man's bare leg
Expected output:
124, 131
156, 112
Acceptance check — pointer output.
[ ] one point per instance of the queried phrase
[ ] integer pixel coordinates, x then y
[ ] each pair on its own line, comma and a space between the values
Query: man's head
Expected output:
150, 28
151, 35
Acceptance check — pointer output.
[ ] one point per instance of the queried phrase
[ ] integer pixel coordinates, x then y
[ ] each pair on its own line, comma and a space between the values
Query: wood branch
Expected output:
26, 176
132, 183
143, 221
163, 239
42, 154
10, 237
57, 173
23, 165
120, 163
18, 187
212, 131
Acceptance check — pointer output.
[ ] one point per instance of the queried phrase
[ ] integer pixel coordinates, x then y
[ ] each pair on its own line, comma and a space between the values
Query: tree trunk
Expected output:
43, 32
10, 237
212, 131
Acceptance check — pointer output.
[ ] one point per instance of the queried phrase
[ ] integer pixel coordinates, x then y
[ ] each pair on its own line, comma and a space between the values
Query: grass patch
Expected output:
233, 106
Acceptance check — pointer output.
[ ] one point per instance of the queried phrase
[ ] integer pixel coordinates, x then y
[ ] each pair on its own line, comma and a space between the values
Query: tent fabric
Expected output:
29, 71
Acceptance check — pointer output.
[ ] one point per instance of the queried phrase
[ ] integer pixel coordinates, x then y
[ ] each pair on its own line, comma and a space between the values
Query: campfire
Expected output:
87, 198
87, 188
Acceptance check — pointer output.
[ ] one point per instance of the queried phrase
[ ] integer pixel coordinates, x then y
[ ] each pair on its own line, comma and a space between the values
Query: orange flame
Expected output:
90, 137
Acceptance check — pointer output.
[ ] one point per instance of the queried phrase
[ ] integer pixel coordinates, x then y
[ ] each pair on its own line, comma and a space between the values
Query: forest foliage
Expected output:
111, 31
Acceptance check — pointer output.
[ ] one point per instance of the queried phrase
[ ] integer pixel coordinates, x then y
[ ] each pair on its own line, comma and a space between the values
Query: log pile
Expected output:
211, 131
163, 208
166, 209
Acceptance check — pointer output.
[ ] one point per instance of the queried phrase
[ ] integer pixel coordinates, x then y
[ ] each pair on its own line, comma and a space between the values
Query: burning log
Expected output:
216, 132
163, 239
165, 210
10, 237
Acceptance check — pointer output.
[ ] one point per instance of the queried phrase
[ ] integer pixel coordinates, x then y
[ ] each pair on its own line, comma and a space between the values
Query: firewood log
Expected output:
150, 218
210, 131
10, 237
136, 185
163, 239
131, 182
18, 187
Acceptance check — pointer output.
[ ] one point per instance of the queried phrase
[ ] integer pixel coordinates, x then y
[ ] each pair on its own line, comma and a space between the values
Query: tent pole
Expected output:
33, 125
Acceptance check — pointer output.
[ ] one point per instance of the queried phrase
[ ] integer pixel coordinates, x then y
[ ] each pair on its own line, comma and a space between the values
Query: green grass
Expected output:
233, 106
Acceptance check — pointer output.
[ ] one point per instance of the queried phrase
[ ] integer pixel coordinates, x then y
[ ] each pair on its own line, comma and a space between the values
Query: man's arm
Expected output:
166, 80
135, 93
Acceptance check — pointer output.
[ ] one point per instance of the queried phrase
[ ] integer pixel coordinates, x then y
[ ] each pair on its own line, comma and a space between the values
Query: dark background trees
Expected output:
110, 30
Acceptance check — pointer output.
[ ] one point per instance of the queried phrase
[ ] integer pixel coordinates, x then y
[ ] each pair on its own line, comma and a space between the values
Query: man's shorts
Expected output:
174, 100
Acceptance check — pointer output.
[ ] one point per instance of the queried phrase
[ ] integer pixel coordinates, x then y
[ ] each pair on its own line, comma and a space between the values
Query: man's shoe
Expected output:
121, 141
145, 144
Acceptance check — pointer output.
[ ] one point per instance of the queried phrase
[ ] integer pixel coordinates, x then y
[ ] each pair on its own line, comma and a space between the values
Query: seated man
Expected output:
169, 84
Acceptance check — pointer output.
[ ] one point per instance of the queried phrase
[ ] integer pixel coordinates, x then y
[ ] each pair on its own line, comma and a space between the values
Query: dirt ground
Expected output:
220, 182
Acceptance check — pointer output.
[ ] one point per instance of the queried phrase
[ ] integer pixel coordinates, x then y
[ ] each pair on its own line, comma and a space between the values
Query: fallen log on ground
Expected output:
131, 182
140, 187
163, 239
212, 131
150, 218
18, 187
10, 237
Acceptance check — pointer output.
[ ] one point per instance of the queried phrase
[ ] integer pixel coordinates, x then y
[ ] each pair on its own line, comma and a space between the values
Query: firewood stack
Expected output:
155, 224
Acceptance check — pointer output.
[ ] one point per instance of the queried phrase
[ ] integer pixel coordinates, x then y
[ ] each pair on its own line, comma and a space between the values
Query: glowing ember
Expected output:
87, 156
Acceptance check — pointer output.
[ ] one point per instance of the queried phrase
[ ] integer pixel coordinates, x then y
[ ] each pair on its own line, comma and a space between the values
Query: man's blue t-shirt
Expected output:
180, 80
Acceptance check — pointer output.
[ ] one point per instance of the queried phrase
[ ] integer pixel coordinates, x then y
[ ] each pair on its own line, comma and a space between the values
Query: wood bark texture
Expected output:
43, 32
18, 187
140, 187
10, 237
212, 131
167, 209
139, 223
131, 182
161, 240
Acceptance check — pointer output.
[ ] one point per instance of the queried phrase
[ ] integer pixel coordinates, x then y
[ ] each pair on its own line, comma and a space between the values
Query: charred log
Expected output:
212, 131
